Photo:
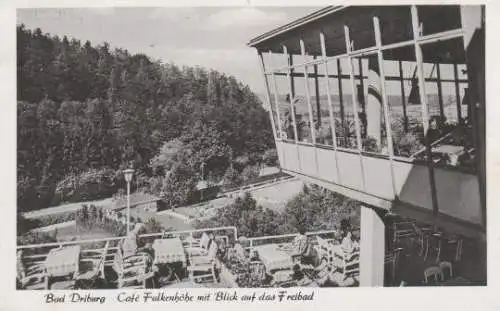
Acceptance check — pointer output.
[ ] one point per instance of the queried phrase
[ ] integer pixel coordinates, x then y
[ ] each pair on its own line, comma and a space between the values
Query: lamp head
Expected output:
128, 173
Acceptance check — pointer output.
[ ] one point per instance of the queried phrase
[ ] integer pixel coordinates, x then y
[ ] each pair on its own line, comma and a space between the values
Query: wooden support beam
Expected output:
308, 94
403, 97
423, 103
276, 134
457, 94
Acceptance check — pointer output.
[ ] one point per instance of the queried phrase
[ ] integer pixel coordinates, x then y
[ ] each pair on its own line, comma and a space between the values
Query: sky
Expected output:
212, 37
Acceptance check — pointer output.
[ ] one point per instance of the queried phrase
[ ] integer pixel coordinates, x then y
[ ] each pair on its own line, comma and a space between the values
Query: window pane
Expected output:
341, 96
270, 84
370, 106
395, 24
450, 102
403, 99
334, 40
361, 31
438, 18
451, 139
324, 132
286, 119
301, 109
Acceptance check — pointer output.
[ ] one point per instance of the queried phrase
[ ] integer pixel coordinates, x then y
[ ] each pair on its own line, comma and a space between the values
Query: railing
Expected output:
191, 233
279, 239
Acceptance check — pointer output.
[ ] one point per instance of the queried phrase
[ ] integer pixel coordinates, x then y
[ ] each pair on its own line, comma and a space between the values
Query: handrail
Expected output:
192, 231
70, 242
251, 240
55, 244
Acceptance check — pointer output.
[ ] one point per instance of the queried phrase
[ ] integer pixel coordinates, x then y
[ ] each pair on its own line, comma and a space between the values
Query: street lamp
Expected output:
128, 178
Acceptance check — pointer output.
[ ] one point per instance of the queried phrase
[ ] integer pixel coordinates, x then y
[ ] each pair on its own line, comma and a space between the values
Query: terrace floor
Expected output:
411, 266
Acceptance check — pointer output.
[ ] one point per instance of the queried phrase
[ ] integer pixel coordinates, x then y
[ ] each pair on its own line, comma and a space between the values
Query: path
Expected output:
66, 208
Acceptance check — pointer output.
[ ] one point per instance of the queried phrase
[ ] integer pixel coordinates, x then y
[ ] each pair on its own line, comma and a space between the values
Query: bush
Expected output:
89, 185
270, 157
36, 238
24, 225
313, 209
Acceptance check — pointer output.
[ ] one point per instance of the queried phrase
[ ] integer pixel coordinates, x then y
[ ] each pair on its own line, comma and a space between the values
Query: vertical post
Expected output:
316, 91
308, 94
330, 105
457, 94
277, 134
128, 207
473, 23
341, 98
372, 248
353, 93
328, 92
291, 93
403, 97
276, 99
440, 92
387, 117
423, 103
420, 69
361, 95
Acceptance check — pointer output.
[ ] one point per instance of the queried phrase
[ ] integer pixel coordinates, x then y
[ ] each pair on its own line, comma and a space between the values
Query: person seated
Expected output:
348, 245
131, 244
300, 243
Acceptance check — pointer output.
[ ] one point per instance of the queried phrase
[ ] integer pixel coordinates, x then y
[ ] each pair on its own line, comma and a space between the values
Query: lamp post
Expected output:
128, 178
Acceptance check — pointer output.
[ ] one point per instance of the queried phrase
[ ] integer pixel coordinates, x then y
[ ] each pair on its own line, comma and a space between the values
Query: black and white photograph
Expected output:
250, 147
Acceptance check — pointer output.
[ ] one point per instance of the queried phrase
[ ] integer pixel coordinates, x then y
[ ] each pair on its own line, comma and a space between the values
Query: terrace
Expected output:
184, 259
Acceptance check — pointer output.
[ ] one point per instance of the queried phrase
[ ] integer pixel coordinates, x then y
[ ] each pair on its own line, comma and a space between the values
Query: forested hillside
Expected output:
84, 112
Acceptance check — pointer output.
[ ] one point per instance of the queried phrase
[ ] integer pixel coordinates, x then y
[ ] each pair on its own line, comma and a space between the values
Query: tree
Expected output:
311, 210
83, 108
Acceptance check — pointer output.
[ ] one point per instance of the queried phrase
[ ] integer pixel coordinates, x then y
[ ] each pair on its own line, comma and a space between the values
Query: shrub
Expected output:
90, 185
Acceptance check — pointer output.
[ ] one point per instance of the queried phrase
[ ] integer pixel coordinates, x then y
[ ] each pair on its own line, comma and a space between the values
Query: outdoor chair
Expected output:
203, 265
436, 242
391, 260
350, 264
325, 250
458, 242
201, 243
32, 277
402, 229
91, 268
422, 240
443, 265
132, 271
432, 273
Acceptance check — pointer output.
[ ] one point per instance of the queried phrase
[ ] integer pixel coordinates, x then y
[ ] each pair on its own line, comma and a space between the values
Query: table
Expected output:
169, 251
273, 258
63, 261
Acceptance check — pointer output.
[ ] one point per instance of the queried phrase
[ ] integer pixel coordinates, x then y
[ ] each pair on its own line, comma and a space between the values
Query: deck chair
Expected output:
91, 269
132, 270
350, 262
201, 243
203, 264
33, 277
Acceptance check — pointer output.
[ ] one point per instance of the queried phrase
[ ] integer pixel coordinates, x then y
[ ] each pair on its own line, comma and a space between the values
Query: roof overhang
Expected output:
294, 24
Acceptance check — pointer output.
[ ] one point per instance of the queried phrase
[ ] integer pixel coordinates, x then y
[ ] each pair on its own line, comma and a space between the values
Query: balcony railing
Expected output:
380, 181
